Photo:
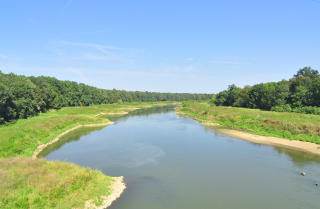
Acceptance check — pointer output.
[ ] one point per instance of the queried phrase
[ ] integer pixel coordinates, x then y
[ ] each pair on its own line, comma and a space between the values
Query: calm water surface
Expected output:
174, 162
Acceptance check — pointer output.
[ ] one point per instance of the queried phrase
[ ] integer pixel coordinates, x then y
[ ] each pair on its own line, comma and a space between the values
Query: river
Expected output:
174, 162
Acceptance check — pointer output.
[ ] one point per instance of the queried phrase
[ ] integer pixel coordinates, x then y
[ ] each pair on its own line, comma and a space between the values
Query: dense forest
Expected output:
300, 94
22, 97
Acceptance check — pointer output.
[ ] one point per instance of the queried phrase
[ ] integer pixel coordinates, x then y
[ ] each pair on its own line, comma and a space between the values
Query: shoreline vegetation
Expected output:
290, 130
30, 182
42, 146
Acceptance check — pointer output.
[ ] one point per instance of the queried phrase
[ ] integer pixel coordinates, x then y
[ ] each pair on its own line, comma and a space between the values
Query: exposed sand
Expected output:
275, 141
210, 124
42, 146
112, 113
116, 189
118, 185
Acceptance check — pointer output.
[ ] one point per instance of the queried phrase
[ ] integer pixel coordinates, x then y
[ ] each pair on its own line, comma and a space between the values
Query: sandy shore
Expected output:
112, 113
269, 140
42, 146
275, 141
118, 185
116, 189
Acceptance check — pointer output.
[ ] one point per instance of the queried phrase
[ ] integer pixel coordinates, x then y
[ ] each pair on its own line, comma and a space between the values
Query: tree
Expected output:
307, 72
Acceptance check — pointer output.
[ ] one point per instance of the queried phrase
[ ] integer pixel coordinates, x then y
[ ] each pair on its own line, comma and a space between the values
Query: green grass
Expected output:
23, 137
36, 183
292, 126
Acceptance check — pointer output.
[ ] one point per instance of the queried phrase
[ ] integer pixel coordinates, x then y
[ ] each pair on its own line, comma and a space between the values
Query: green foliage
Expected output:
185, 104
285, 125
307, 72
301, 94
282, 108
23, 97
212, 100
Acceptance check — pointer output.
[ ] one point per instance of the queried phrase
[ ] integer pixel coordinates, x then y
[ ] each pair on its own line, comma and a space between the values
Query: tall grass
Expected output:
292, 126
36, 183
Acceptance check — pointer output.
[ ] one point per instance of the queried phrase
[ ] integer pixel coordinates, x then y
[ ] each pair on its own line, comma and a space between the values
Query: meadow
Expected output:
36, 183
287, 125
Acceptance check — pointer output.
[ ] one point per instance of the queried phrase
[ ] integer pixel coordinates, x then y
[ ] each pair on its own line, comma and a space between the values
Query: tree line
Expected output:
298, 94
22, 97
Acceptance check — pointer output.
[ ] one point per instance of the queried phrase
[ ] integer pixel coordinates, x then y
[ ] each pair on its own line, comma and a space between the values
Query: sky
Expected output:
160, 45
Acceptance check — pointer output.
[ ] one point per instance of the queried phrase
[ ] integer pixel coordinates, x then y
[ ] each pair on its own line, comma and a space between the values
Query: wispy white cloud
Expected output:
229, 62
64, 7
99, 47
95, 57
175, 69
189, 59
4, 57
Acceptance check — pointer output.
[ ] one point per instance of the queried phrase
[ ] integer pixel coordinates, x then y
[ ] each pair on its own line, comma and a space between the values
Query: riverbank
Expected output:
289, 130
274, 141
56, 187
37, 183
42, 146
117, 187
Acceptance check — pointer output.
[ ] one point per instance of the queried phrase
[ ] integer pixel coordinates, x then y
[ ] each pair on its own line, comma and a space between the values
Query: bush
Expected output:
307, 110
185, 104
282, 108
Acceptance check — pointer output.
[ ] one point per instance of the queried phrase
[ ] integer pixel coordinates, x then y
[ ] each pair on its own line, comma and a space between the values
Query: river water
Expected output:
172, 162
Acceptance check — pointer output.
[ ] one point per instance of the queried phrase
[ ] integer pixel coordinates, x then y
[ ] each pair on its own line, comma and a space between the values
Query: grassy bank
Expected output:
36, 183
292, 126
23, 137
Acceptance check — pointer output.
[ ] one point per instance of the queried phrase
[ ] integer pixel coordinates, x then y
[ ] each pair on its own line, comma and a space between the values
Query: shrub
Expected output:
282, 108
185, 104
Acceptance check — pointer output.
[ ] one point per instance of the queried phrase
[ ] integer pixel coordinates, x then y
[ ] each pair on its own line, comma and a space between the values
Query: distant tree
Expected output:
221, 98
307, 72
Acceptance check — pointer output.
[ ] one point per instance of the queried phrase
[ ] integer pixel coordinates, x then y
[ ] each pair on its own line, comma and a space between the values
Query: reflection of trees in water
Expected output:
298, 158
69, 137
143, 112
76, 134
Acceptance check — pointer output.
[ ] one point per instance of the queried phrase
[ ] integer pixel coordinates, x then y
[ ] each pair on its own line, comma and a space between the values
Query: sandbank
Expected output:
112, 113
269, 140
275, 141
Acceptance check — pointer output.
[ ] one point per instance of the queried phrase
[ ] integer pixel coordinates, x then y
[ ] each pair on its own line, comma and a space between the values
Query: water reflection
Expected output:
69, 137
173, 162
301, 159
142, 112
298, 157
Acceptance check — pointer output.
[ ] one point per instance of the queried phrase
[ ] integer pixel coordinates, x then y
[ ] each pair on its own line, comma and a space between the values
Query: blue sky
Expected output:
160, 45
